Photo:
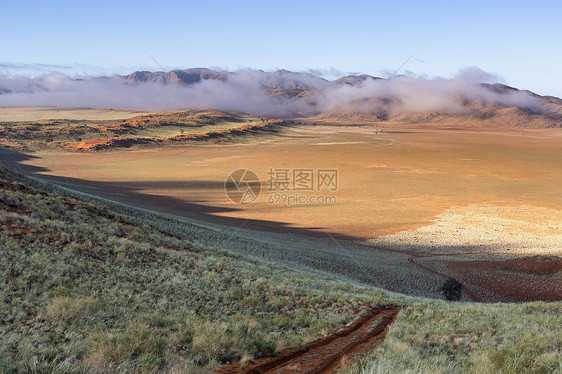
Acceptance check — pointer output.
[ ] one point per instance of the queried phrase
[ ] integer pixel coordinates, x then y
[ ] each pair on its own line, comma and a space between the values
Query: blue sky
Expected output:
519, 41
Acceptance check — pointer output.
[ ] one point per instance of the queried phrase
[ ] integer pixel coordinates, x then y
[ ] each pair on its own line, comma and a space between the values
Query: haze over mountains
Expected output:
472, 95
280, 79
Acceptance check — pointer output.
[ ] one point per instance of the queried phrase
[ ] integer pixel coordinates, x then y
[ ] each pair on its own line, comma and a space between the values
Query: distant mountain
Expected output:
276, 80
280, 79
188, 76
289, 80
352, 80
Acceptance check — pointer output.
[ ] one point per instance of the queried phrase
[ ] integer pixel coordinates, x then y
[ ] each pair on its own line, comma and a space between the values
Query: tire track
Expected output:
325, 355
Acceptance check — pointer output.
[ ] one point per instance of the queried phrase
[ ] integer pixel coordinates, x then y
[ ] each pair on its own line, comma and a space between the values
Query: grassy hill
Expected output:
85, 289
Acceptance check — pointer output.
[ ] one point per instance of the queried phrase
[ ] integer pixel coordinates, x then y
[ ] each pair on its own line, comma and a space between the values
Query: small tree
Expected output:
452, 289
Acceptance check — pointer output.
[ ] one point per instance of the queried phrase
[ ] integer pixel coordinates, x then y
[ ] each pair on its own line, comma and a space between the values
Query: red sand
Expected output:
522, 279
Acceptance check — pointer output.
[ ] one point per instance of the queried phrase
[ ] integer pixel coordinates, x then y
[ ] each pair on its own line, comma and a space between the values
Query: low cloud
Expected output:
422, 94
258, 92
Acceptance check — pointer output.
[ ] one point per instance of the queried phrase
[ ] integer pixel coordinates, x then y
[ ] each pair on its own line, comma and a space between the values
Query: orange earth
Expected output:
391, 181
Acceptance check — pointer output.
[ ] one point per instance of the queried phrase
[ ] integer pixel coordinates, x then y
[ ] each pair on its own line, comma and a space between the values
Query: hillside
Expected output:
85, 287
147, 129
88, 289
474, 114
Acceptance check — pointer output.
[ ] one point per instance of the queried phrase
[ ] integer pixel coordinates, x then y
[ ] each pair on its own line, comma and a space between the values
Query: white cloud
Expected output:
243, 91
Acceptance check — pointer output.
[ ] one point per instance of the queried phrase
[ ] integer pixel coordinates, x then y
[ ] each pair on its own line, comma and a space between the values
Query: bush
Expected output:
452, 289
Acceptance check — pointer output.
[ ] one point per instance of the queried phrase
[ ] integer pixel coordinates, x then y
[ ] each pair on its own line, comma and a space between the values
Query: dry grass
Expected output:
136, 348
457, 338
71, 309
148, 129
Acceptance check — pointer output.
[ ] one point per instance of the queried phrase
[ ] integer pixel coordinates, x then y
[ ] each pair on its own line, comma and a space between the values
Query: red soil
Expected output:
541, 265
118, 126
18, 187
89, 144
522, 279
325, 355
471, 294
105, 143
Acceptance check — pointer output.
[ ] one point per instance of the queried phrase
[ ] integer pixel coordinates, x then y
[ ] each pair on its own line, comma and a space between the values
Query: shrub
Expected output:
452, 289
74, 248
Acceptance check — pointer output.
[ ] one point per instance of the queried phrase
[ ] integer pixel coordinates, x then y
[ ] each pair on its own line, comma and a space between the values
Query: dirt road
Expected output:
327, 354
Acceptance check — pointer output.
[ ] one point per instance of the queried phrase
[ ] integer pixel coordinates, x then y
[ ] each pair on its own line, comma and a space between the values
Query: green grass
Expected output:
85, 289
436, 337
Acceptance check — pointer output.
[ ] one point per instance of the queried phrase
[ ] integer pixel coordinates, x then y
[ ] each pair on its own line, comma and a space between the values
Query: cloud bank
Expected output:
268, 93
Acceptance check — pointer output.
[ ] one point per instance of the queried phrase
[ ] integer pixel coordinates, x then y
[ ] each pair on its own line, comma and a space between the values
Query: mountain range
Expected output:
470, 97
276, 80
488, 109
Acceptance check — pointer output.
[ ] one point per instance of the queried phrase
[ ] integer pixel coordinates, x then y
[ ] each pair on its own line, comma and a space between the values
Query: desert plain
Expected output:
483, 205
